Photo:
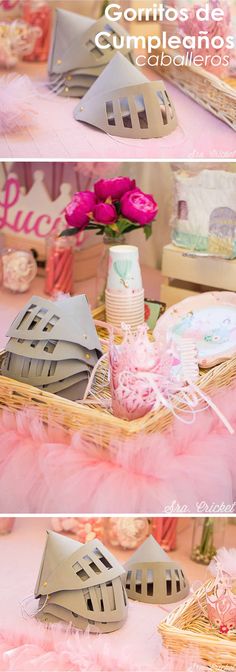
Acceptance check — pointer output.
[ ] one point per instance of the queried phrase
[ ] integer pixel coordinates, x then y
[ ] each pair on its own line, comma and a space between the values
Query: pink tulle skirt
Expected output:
46, 470
40, 649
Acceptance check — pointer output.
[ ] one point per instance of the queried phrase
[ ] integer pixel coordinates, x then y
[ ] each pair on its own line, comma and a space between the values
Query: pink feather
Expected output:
16, 108
186, 465
40, 649
227, 560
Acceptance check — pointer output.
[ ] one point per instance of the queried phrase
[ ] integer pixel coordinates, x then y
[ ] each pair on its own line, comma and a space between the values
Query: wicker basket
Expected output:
205, 88
98, 423
186, 627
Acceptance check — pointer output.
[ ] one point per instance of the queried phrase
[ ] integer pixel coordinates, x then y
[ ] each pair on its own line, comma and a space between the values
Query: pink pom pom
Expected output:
16, 110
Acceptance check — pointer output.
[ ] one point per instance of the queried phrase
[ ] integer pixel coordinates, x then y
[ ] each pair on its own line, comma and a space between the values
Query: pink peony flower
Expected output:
139, 207
78, 211
105, 213
113, 188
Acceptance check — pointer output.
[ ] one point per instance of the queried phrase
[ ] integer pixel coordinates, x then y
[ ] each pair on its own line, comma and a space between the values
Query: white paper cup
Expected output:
124, 273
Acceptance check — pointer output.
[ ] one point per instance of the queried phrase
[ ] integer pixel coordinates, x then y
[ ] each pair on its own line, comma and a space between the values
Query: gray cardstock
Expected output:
73, 322
81, 584
73, 49
124, 103
153, 578
56, 365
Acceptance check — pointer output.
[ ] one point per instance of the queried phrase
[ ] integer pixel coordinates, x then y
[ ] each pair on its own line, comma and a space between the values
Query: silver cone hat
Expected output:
124, 103
152, 577
81, 584
75, 61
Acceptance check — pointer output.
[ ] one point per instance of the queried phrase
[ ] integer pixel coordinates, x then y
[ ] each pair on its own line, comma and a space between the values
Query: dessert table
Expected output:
44, 469
56, 135
138, 640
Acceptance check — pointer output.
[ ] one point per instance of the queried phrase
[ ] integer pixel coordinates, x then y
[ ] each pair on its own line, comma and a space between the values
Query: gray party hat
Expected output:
153, 577
53, 346
81, 584
124, 103
75, 60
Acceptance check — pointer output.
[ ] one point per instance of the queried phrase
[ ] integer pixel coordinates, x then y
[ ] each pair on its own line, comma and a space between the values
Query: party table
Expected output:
10, 303
20, 554
44, 469
56, 135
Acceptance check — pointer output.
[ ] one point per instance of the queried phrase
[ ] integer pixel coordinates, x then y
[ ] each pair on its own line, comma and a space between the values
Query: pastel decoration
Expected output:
81, 585
205, 212
18, 270
152, 577
124, 274
125, 307
147, 375
221, 592
124, 103
83, 529
53, 346
75, 61
209, 319
17, 39
127, 532
144, 375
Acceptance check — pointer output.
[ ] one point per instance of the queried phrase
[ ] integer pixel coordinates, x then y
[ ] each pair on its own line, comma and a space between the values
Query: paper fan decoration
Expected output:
124, 103
153, 577
80, 584
75, 61
53, 346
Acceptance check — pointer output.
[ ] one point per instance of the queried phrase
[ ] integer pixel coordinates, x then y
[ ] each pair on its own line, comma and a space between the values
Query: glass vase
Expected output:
38, 14
102, 267
60, 265
208, 537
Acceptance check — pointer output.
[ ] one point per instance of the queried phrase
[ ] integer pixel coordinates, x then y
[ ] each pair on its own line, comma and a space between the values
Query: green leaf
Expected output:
148, 231
117, 207
69, 232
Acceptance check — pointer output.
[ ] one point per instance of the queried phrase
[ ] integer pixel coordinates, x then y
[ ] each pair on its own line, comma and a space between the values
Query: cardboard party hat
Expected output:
81, 584
124, 103
75, 60
53, 346
153, 577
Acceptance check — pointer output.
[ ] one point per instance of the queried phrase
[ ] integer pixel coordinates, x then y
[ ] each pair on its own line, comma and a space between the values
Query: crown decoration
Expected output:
124, 103
75, 61
53, 346
81, 584
35, 208
152, 577
221, 594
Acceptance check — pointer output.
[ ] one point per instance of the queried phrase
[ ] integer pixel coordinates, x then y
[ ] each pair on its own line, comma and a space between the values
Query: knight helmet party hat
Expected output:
53, 346
75, 60
153, 577
124, 103
80, 584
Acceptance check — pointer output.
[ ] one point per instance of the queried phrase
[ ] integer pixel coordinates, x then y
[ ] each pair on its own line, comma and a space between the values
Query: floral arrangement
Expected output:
128, 533
205, 550
115, 207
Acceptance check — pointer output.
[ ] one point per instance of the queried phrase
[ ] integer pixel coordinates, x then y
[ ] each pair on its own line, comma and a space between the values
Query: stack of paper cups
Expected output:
124, 292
